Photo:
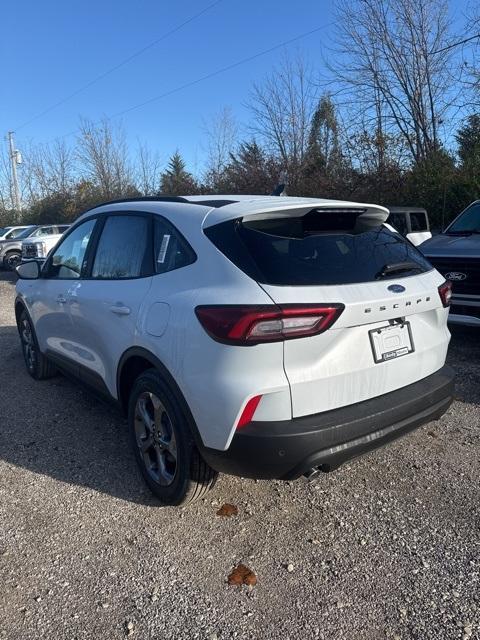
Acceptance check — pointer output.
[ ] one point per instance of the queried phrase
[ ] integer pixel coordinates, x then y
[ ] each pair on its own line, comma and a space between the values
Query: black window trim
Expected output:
101, 218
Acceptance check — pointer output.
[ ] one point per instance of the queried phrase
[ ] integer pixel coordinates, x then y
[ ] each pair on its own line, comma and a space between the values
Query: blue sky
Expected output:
54, 47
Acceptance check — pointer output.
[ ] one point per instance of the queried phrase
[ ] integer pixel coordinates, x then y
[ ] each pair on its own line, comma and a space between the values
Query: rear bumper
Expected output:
291, 448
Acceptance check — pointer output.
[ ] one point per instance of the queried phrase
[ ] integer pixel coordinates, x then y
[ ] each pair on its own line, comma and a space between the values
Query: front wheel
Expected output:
12, 260
37, 364
163, 443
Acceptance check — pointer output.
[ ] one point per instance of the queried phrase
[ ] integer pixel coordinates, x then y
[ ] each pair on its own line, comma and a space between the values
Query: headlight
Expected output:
41, 250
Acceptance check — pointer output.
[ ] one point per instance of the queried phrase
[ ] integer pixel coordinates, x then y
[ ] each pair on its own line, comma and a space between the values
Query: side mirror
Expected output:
28, 270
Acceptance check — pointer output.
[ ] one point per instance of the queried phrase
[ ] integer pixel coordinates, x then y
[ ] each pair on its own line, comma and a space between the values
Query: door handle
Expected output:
61, 299
120, 309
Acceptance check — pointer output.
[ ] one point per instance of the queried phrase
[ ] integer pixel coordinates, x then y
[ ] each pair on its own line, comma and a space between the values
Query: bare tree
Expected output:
282, 108
393, 60
148, 170
102, 154
48, 169
222, 137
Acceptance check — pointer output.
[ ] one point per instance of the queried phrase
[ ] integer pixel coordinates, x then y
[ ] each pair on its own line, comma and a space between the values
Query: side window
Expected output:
122, 250
14, 233
399, 222
418, 221
43, 231
172, 251
68, 258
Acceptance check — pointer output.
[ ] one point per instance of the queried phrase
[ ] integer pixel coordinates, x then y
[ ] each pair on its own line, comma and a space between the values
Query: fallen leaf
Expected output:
242, 575
228, 510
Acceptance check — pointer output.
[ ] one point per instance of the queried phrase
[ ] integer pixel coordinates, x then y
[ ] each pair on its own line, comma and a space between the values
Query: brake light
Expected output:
445, 292
254, 324
249, 410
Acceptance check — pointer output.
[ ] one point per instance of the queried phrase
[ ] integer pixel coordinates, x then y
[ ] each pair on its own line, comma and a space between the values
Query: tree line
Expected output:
391, 116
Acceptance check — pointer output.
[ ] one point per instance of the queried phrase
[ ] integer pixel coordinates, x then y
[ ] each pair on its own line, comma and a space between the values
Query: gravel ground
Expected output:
386, 547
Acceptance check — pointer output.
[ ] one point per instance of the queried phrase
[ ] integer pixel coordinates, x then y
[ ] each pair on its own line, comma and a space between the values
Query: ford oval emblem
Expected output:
396, 288
456, 275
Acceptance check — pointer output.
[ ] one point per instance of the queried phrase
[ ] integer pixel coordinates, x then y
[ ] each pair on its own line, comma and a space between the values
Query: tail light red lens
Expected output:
253, 324
445, 292
249, 410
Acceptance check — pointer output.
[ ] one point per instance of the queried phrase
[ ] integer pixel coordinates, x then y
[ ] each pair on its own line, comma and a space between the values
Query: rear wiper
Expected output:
465, 232
397, 267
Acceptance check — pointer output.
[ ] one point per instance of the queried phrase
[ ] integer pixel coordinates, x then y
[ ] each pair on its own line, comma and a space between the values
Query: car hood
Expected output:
450, 246
5, 243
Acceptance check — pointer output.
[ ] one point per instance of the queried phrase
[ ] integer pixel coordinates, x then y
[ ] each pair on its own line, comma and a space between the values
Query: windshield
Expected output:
467, 222
25, 233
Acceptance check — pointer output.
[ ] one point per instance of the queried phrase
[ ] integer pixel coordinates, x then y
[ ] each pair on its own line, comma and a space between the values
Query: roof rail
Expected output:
143, 199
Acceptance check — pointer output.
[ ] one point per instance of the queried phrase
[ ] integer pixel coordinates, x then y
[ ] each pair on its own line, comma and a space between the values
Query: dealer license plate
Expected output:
391, 342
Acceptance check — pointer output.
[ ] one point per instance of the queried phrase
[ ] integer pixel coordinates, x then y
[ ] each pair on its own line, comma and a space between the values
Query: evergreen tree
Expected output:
250, 171
323, 148
176, 180
468, 138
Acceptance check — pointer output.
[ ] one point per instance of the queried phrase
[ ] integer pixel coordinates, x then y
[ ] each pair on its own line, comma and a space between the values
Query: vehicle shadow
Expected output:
464, 357
8, 276
56, 428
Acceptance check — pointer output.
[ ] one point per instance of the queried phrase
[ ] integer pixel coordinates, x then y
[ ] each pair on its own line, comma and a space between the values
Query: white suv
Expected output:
260, 336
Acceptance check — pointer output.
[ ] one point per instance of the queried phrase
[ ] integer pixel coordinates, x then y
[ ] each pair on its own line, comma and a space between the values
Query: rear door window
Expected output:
316, 249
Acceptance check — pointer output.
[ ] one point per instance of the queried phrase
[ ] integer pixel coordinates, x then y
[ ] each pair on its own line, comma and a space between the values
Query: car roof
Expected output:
209, 210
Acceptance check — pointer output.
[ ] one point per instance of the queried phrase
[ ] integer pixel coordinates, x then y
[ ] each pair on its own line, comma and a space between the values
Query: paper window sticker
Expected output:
163, 249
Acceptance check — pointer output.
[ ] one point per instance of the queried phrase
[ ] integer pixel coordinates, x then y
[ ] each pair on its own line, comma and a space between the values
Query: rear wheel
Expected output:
37, 364
12, 260
163, 443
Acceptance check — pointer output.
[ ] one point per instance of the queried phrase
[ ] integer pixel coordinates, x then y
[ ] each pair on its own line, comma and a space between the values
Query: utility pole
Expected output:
15, 159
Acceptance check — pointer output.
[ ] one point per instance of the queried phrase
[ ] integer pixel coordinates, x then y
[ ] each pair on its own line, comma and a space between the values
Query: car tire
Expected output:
12, 259
163, 443
38, 366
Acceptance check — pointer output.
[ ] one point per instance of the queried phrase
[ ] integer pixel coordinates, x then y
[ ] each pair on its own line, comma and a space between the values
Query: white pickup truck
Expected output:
38, 247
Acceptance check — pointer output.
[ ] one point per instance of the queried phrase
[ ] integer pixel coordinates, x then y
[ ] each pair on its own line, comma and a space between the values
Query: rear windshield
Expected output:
316, 249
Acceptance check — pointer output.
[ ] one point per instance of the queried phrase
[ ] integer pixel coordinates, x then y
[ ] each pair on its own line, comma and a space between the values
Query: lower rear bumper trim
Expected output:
288, 449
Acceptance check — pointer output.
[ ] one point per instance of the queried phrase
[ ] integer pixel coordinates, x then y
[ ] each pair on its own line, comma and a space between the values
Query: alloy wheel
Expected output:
28, 345
155, 438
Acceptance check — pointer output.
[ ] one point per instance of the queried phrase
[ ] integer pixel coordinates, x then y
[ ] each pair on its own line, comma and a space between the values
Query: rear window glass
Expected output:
317, 250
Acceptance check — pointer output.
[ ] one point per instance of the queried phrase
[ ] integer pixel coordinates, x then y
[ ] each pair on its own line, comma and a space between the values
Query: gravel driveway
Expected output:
386, 547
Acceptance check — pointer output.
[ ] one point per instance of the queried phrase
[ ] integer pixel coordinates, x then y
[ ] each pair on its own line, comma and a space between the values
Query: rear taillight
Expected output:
252, 324
445, 292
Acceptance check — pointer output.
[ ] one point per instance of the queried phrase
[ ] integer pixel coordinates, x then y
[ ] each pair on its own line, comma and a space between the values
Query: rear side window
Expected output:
418, 221
172, 251
122, 250
309, 250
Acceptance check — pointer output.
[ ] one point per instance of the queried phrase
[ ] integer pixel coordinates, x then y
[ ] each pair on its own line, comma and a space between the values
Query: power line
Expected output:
455, 44
208, 76
119, 65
